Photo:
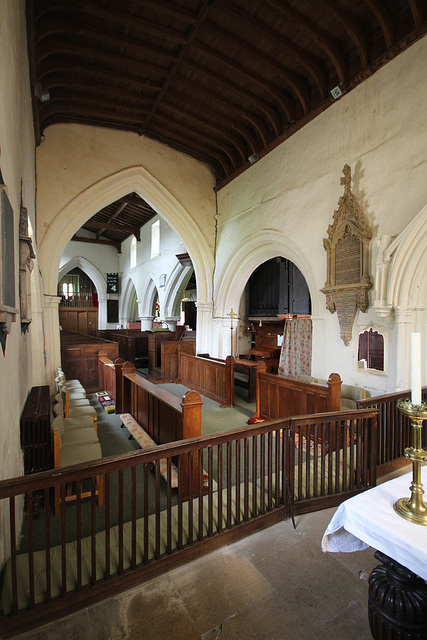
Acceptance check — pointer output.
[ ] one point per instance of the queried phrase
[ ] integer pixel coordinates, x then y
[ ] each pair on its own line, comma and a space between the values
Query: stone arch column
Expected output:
146, 303
88, 202
401, 274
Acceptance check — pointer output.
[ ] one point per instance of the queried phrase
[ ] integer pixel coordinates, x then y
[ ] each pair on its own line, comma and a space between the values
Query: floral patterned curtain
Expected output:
295, 356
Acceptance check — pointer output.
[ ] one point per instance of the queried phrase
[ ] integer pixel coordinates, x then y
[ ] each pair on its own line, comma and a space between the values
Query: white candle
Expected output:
416, 368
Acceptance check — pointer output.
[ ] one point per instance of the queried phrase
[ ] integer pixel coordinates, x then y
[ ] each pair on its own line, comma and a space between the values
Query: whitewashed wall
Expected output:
145, 276
96, 261
17, 166
283, 204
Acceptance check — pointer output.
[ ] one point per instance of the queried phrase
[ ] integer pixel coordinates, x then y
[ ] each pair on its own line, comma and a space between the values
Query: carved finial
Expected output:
346, 181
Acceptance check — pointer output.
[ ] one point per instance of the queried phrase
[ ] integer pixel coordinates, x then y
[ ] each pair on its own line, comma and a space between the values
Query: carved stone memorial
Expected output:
347, 248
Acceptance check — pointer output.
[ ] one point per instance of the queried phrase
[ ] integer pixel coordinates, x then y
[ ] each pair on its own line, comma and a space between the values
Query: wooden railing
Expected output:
394, 429
247, 478
87, 300
210, 377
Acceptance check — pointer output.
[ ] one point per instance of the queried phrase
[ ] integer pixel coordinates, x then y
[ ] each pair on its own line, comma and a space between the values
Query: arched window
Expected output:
133, 253
155, 239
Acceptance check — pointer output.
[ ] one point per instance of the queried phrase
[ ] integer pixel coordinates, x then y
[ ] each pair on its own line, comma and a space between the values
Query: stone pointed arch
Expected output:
407, 256
249, 255
98, 280
126, 298
147, 299
175, 287
85, 204
91, 200
90, 270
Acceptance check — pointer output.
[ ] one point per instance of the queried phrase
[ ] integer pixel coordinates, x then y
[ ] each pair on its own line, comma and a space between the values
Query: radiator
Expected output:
35, 430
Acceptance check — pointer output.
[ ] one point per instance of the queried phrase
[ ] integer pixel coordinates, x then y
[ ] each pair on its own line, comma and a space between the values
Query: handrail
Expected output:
245, 475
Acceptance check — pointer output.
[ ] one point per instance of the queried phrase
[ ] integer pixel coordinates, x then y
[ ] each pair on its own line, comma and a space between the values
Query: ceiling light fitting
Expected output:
338, 91
42, 94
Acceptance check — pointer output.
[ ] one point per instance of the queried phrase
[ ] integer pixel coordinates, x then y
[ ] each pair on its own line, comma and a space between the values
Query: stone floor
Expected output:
276, 584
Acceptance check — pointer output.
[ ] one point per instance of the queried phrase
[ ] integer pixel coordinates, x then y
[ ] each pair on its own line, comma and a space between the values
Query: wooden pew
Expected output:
110, 377
280, 397
209, 376
163, 416
169, 359
79, 358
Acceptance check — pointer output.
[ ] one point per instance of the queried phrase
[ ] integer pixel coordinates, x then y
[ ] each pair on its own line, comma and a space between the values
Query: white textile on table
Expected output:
369, 520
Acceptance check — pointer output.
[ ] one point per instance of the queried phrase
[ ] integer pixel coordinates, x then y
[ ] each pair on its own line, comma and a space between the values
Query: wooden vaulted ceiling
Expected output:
220, 80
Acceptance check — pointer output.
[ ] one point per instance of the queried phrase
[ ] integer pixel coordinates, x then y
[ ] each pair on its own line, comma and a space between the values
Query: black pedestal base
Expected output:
397, 602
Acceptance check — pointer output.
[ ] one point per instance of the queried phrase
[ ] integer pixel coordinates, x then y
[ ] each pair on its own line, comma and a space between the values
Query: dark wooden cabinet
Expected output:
278, 287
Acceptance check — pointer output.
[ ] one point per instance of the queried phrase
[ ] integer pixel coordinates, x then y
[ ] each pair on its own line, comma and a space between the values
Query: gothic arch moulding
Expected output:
128, 291
148, 297
401, 276
175, 287
107, 190
251, 253
90, 270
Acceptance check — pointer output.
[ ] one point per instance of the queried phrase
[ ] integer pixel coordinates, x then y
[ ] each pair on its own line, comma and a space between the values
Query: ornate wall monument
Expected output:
347, 248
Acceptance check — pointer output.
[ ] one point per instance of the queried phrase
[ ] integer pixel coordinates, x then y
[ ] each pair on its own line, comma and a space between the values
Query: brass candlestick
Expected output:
414, 508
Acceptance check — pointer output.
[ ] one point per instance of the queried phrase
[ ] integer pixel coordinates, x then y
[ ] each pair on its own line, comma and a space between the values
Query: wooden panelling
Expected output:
212, 378
280, 397
79, 358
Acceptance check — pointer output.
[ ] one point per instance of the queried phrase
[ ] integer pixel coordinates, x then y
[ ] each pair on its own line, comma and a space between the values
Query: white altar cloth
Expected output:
369, 520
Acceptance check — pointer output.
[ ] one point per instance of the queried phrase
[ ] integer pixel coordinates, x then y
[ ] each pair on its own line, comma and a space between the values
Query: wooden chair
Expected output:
81, 422
66, 455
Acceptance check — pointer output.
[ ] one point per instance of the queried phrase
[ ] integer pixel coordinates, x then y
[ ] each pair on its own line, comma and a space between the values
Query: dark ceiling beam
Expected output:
160, 6
133, 22
295, 82
110, 243
219, 167
211, 96
75, 103
384, 19
309, 62
127, 44
137, 201
324, 41
222, 120
171, 126
416, 7
201, 17
90, 115
91, 224
62, 68
93, 90
218, 132
350, 25
51, 49
242, 94
122, 206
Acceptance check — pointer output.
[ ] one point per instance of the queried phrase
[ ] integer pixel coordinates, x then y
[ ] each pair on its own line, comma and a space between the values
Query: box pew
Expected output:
162, 415
110, 377
281, 397
79, 358
211, 377
169, 358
